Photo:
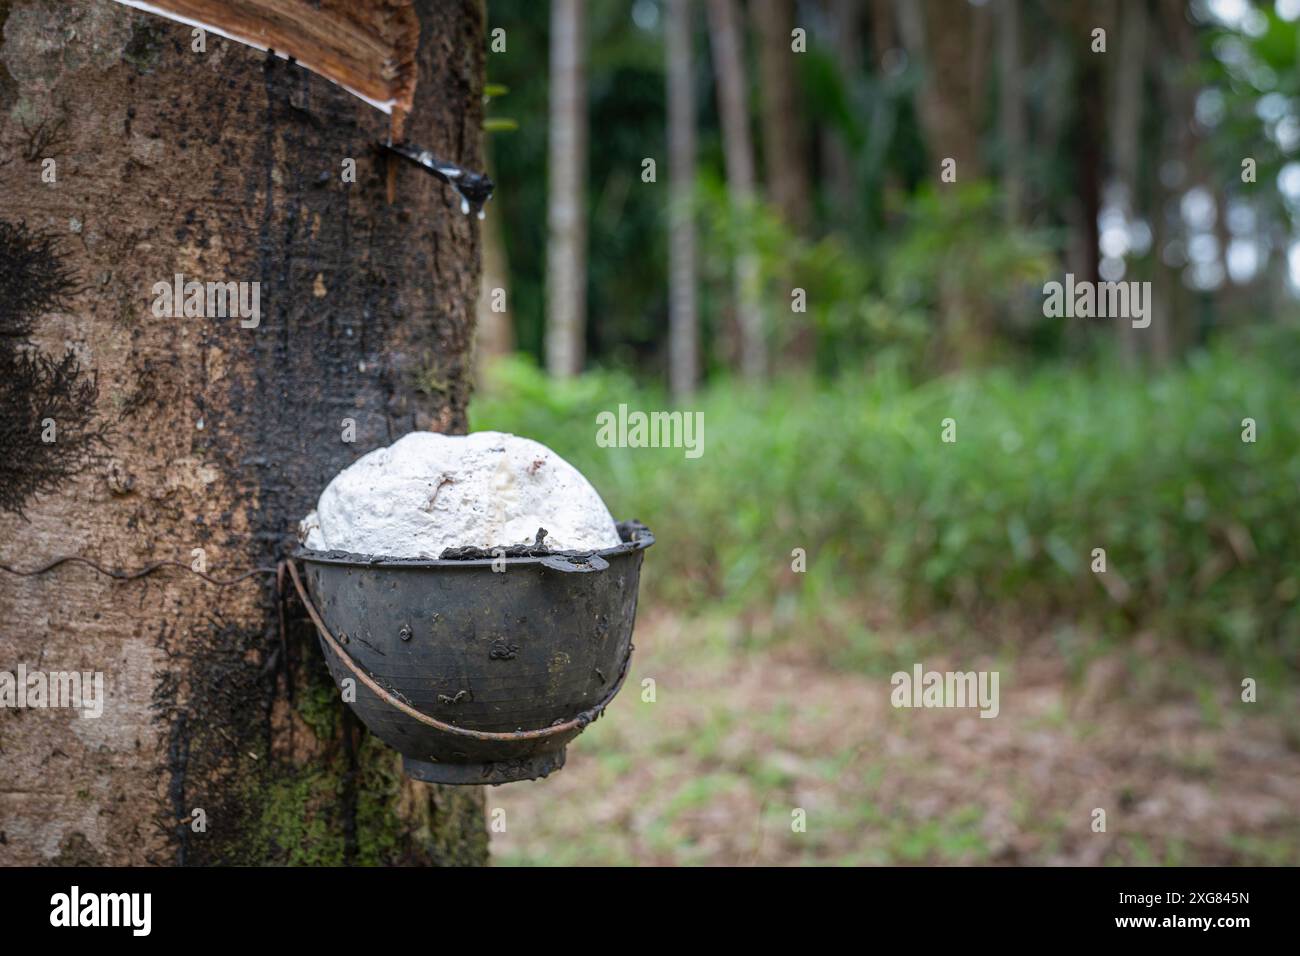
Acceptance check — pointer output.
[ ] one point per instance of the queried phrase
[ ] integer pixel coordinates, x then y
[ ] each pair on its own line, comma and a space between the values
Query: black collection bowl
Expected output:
478, 670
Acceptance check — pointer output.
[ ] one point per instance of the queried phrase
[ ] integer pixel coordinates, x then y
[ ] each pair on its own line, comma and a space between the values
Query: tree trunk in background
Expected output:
980, 42
683, 318
1127, 129
222, 165
1090, 133
495, 334
939, 35
882, 30
944, 39
729, 71
882, 25
1090, 76
1011, 109
785, 150
1176, 305
566, 245
786, 155
1083, 256
845, 18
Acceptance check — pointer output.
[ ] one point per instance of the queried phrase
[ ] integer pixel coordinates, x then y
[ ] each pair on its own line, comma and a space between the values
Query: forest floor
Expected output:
743, 733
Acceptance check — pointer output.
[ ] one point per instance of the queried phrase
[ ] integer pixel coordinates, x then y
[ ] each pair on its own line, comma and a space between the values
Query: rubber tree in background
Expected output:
846, 18
1011, 109
495, 331
787, 176
946, 40
132, 156
683, 307
1126, 131
566, 244
729, 70
785, 154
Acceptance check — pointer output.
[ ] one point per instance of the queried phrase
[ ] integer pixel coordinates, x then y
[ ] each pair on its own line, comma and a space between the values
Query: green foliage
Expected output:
497, 124
627, 259
953, 253
1250, 84
1199, 528
957, 259
955, 234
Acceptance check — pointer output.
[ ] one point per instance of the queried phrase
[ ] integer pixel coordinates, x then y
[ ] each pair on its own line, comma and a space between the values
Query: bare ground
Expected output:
742, 735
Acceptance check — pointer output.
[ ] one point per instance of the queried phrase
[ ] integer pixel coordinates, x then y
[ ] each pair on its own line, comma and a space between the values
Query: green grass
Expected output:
1199, 528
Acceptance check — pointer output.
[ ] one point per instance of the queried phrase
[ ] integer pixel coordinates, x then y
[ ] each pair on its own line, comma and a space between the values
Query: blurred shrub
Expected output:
953, 257
1200, 529
958, 260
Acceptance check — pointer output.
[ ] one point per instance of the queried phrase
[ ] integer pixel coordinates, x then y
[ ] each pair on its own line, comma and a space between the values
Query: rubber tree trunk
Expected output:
946, 40
566, 245
1011, 109
496, 332
683, 313
221, 740
785, 152
1126, 132
942, 37
839, 164
729, 72
786, 163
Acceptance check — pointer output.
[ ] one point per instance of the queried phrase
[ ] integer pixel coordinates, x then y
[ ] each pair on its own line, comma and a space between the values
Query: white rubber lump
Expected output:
427, 492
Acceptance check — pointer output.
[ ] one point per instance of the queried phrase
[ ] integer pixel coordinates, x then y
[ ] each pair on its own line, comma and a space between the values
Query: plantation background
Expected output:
924, 302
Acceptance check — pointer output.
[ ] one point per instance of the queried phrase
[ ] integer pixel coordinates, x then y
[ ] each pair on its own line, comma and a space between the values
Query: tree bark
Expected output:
840, 165
683, 318
566, 246
943, 37
221, 165
1090, 131
785, 150
495, 335
1011, 110
729, 72
947, 40
1127, 127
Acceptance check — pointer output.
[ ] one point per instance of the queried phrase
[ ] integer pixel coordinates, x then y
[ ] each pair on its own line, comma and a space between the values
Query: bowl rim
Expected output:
636, 537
